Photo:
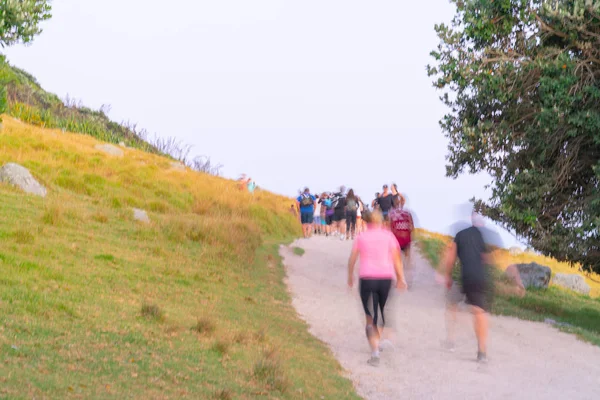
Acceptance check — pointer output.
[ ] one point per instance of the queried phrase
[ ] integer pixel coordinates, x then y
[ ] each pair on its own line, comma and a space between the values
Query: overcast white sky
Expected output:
293, 93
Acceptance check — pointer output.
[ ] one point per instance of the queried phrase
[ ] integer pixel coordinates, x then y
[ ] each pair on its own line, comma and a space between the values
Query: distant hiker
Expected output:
402, 225
294, 210
339, 212
243, 182
359, 220
306, 203
317, 216
323, 216
469, 246
375, 202
352, 206
251, 186
385, 202
328, 203
380, 263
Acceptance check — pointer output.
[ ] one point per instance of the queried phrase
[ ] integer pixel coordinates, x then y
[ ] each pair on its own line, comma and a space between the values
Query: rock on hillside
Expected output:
20, 177
573, 282
534, 275
110, 149
141, 215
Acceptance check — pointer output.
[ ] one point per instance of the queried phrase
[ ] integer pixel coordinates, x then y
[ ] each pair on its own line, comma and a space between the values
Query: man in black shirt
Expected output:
385, 201
470, 247
339, 213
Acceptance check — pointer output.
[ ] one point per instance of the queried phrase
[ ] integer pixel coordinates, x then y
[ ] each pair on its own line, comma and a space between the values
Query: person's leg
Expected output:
353, 225
476, 296
366, 294
348, 225
480, 321
453, 297
408, 267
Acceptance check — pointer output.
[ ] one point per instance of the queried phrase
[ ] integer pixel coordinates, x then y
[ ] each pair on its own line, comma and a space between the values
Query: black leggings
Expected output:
350, 221
378, 290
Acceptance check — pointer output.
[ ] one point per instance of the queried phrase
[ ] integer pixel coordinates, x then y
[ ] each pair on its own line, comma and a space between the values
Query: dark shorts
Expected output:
339, 215
386, 215
475, 294
306, 217
329, 219
376, 290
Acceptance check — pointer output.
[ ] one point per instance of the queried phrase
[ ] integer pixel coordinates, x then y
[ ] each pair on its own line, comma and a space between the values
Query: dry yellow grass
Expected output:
86, 289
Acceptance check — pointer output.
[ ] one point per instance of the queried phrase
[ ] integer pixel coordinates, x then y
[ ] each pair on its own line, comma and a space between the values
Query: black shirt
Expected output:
341, 201
386, 202
470, 248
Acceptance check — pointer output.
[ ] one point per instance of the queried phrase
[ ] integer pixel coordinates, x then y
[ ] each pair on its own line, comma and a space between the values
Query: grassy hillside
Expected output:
581, 312
29, 102
96, 305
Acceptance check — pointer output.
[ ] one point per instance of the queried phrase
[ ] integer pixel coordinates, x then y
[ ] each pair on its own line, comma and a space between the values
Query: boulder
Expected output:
177, 166
141, 215
574, 282
20, 177
110, 149
534, 275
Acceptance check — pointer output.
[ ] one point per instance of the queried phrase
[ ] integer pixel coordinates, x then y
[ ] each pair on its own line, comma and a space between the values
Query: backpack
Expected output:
401, 221
352, 205
336, 200
306, 201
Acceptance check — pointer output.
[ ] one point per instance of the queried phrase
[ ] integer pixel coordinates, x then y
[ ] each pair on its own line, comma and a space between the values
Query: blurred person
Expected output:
471, 246
402, 226
323, 201
352, 207
294, 210
375, 202
359, 220
329, 211
251, 185
317, 216
385, 202
339, 212
306, 204
380, 264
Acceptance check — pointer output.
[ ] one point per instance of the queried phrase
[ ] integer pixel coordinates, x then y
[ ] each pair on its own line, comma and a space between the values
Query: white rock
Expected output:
573, 282
20, 177
110, 149
176, 165
141, 215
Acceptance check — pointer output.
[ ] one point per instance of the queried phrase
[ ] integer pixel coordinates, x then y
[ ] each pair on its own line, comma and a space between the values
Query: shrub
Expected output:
204, 326
152, 311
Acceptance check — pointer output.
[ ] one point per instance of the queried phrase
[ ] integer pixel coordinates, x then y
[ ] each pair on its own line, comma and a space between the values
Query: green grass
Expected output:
23, 98
95, 305
581, 312
299, 251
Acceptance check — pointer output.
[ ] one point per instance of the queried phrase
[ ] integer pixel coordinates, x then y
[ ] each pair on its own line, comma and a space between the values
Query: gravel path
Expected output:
527, 360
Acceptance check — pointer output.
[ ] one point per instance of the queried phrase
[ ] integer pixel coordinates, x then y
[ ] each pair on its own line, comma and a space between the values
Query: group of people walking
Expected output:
384, 231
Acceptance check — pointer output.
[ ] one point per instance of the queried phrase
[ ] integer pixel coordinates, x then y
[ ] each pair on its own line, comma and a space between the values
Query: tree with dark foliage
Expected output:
522, 81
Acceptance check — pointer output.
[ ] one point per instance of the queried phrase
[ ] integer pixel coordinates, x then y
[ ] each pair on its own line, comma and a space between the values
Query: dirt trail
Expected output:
527, 360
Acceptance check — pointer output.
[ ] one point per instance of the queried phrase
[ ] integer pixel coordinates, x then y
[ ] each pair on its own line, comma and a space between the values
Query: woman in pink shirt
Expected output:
380, 264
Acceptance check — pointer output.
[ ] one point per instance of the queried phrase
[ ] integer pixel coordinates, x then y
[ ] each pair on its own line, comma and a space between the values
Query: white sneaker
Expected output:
342, 237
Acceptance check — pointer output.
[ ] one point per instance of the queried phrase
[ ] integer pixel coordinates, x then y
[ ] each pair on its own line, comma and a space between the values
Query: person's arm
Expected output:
351, 264
412, 224
448, 263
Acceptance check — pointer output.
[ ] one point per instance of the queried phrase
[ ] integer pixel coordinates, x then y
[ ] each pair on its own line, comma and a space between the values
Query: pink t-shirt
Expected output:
375, 247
